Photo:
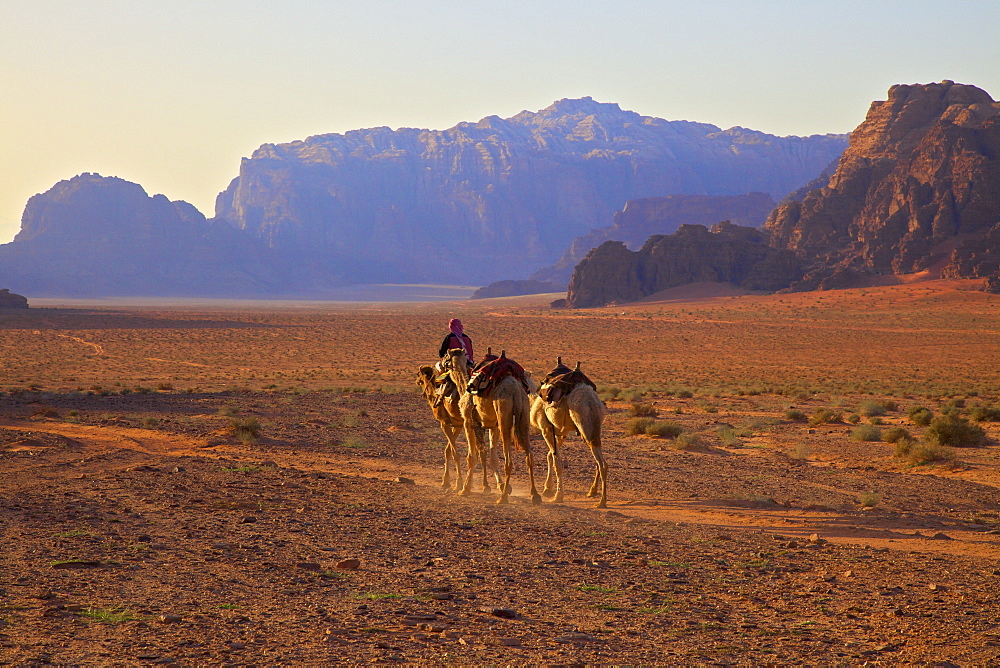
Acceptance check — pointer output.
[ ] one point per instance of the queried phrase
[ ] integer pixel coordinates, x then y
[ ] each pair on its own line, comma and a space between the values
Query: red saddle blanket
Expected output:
555, 387
487, 375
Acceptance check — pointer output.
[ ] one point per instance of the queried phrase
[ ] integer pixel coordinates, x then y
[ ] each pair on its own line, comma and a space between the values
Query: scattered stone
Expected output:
249, 519
848, 574
309, 566
349, 564
937, 587
816, 540
941, 536
169, 619
575, 637
76, 563
177, 469
269, 463
237, 645
405, 481
502, 613
791, 545
510, 642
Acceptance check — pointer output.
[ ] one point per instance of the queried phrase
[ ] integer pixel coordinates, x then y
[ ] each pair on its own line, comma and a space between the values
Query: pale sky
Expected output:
171, 94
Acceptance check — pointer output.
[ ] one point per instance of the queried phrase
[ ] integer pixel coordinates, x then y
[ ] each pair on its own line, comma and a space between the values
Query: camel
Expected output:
449, 415
505, 413
580, 410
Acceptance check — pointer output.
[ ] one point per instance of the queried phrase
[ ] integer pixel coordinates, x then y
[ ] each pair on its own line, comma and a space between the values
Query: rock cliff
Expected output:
93, 235
498, 198
9, 300
918, 187
643, 218
611, 273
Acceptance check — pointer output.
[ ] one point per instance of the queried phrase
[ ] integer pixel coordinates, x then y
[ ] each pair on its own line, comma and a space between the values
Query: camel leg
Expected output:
450, 457
470, 460
600, 476
548, 489
508, 468
520, 434
495, 463
557, 458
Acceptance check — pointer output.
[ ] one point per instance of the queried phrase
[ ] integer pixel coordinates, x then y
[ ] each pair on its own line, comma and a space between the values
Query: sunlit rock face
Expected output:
497, 199
917, 188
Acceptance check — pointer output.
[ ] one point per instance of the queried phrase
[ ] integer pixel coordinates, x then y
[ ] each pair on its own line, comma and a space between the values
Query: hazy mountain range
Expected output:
500, 198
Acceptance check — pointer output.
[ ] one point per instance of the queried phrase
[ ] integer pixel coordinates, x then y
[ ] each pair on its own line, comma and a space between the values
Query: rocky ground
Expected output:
138, 530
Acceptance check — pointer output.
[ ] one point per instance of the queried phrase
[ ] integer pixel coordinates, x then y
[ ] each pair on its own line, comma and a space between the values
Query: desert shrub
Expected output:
866, 432
854, 418
608, 393
149, 423
664, 429
794, 414
229, 411
985, 414
246, 430
875, 420
890, 405
728, 437
638, 425
896, 434
870, 408
957, 402
685, 394
634, 396
917, 454
165, 386
868, 499
921, 416
825, 416
799, 451
707, 407
642, 410
954, 431
686, 441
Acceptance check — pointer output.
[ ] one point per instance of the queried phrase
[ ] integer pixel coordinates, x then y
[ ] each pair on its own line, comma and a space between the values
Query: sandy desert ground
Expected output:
139, 528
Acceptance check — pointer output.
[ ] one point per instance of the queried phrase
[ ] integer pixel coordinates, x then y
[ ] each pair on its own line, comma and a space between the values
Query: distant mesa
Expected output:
10, 300
916, 192
516, 288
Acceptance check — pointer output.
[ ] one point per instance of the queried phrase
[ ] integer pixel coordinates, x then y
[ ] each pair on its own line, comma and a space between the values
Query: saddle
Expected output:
490, 372
561, 380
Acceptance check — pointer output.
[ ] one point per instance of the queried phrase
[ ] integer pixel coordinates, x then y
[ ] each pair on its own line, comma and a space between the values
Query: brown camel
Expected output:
579, 410
505, 413
448, 412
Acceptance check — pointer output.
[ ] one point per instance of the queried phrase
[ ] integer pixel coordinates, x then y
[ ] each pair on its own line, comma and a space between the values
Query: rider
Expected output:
457, 338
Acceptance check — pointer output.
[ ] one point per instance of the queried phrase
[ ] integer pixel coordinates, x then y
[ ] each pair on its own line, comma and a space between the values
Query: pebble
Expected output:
405, 481
576, 637
169, 619
349, 564
510, 642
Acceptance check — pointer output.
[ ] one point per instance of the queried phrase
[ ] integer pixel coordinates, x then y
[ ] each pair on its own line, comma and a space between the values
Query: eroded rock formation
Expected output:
920, 177
611, 273
486, 201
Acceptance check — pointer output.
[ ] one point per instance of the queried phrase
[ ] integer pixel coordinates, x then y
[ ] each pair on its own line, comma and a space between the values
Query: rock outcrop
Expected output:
643, 218
917, 188
485, 201
9, 300
93, 235
515, 288
611, 273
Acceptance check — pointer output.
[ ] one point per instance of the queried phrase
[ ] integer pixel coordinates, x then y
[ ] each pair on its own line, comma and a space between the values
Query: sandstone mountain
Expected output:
643, 218
10, 300
93, 235
727, 253
918, 188
495, 199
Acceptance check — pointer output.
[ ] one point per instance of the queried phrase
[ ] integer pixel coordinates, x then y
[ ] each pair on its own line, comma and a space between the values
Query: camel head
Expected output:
425, 380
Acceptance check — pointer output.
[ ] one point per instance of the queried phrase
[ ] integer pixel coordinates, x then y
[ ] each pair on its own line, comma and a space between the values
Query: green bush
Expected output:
638, 425
985, 414
917, 454
664, 429
921, 417
685, 394
854, 418
794, 414
866, 432
896, 434
728, 437
955, 431
642, 410
686, 441
247, 430
825, 416
870, 408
